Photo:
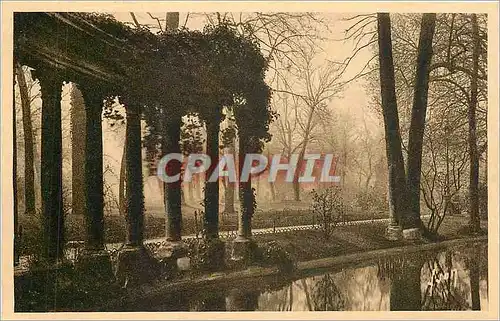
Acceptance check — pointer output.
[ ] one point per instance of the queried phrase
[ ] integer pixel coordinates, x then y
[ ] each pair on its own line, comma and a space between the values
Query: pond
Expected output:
451, 279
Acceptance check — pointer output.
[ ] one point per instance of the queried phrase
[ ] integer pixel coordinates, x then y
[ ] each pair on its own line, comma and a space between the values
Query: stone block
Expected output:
412, 234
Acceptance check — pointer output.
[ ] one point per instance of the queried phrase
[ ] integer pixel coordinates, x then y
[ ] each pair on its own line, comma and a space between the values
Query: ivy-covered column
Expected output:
174, 248
135, 265
51, 165
211, 219
94, 190
246, 195
95, 259
173, 190
135, 196
242, 245
213, 249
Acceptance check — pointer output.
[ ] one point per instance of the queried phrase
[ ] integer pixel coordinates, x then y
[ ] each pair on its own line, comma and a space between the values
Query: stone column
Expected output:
173, 198
215, 248
174, 248
242, 245
78, 139
51, 159
246, 210
94, 259
211, 219
94, 191
135, 265
135, 197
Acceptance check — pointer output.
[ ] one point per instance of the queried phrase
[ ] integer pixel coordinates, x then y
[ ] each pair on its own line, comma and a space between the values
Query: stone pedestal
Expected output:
96, 263
135, 266
173, 256
412, 234
394, 232
210, 255
242, 249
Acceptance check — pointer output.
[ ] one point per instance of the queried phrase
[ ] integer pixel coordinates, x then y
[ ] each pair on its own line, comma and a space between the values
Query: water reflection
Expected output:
449, 280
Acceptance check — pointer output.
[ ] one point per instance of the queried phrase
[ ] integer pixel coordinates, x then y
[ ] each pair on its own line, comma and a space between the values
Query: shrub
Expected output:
329, 206
272, 253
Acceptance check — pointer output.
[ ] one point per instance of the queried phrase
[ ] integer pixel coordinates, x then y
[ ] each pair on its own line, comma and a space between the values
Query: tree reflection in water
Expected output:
209, 301
326, 296
444, 288
450, 280
455, 279
242, 300
405, 286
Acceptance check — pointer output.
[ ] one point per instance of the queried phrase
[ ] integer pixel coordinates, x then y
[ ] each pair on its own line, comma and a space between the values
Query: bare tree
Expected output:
306, 104
473, 152
397, 184
416, 135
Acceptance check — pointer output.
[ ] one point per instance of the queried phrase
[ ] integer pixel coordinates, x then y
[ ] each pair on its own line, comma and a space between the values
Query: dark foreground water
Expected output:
453, 279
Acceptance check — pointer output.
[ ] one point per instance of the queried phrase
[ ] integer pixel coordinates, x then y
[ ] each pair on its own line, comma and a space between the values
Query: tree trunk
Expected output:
211, 220
473, 152
78, 135
271, 184
397, 184
29, 171
296, 184
417, 126
273, 191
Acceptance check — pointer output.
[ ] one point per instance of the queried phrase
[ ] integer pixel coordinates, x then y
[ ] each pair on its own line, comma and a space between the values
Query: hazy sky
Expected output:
354, 99
353, 103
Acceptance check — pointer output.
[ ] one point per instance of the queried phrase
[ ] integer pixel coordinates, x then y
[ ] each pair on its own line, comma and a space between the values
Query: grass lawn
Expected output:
311, 244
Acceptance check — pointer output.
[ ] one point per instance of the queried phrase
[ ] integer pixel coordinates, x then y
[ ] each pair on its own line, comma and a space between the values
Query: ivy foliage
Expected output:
175, 73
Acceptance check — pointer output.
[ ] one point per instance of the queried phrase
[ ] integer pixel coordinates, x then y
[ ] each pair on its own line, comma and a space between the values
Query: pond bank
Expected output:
265, 274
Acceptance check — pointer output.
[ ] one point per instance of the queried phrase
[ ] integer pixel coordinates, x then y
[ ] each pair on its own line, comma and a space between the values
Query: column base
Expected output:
135, 266
412, 234
242, 249
394, 232
210, 255
95, 263
173, 256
